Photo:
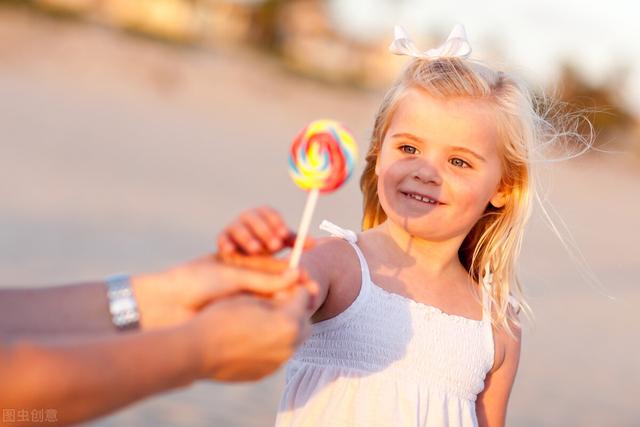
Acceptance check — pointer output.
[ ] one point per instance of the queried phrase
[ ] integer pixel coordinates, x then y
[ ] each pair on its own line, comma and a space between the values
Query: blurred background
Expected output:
131, 131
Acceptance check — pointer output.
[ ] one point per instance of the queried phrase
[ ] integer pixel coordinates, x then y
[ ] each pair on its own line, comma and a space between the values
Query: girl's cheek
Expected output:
478, 200
385, 186
469, 194
389, 173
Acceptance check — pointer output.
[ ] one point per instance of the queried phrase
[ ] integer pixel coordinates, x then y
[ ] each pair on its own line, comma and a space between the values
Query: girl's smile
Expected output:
422, 198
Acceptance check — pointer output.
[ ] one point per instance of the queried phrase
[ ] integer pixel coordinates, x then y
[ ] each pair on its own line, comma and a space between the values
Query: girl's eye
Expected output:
408, 149
459, 163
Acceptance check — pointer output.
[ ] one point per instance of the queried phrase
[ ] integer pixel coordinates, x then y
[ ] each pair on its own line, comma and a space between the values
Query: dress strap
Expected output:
352, 238
336, 231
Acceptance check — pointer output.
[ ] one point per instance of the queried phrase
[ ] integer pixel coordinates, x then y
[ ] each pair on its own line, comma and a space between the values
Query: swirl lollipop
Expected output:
321, 159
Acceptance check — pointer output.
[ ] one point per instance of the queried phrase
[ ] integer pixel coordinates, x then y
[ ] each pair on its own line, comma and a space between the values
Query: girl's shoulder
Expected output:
334, 264
331, 254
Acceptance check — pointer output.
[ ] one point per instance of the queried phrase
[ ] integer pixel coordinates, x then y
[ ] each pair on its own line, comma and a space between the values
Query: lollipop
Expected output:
321, 159
322, 156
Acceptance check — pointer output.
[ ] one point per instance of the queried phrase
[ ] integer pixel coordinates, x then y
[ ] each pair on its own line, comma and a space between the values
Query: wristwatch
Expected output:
122, 303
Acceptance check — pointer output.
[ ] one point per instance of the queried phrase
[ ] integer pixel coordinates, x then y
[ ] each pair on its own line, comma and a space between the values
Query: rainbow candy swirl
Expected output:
322, 156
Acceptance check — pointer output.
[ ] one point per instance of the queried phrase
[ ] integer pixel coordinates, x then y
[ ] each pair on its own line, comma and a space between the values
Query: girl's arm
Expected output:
491, 406
262, 231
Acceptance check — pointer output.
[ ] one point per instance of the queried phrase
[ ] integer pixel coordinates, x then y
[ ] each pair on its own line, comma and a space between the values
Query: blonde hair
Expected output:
496, 238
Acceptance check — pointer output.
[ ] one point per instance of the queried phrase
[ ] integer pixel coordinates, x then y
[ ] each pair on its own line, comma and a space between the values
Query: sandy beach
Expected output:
122, 154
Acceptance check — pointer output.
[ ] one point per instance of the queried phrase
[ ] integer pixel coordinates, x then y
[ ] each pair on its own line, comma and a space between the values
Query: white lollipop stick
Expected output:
303, 229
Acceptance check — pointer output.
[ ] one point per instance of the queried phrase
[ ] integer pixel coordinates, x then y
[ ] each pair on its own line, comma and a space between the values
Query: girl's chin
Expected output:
416, 214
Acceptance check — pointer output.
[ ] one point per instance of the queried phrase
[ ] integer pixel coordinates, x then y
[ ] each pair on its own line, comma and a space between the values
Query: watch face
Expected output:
122, 303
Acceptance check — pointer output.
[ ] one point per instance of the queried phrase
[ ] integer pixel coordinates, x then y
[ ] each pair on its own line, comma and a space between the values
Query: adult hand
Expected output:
245, 338
176, 295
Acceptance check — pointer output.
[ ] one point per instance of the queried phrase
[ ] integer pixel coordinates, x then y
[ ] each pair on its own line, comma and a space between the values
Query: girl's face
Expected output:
439, 166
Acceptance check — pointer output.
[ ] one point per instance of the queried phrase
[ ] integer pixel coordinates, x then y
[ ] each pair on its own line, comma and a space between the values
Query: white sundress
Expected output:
388, 360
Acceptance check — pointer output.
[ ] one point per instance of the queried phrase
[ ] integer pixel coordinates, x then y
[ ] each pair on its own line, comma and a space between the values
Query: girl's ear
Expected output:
499, 199
376, 169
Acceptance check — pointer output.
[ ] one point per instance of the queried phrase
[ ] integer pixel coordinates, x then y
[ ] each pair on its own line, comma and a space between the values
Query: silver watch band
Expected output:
122, 303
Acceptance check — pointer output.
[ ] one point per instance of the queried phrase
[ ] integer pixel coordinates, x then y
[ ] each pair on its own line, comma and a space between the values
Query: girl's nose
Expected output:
428, 174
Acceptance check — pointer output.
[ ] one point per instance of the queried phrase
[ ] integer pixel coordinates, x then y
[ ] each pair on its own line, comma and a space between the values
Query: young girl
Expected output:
416, 323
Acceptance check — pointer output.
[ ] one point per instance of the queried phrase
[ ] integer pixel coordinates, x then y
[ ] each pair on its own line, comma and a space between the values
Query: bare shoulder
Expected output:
331, 253
335, 265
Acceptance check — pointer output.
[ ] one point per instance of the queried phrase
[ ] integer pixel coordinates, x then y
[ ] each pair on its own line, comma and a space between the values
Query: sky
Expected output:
531, 37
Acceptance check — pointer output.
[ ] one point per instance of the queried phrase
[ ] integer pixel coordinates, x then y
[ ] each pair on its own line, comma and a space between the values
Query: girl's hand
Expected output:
257, 232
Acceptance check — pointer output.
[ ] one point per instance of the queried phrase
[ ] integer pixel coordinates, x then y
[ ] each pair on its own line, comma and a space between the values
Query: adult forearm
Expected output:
82, 380
71, 309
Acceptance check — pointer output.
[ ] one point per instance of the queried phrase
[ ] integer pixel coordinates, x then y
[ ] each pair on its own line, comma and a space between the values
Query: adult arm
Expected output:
238, 338
164, 299
71, 309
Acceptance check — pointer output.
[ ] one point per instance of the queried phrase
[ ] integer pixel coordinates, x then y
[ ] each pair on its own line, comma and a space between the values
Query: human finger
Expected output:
262, 230
283, 295
275, 221
226, 245
260, 282
314, 292
295, 306
263, 263
295, 302
243, 238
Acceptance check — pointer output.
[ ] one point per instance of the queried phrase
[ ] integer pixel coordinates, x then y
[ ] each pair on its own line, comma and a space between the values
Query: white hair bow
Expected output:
456, 45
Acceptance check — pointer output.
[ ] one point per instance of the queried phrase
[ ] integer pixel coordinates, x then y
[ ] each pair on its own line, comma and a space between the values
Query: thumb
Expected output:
295, 303
296, 307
